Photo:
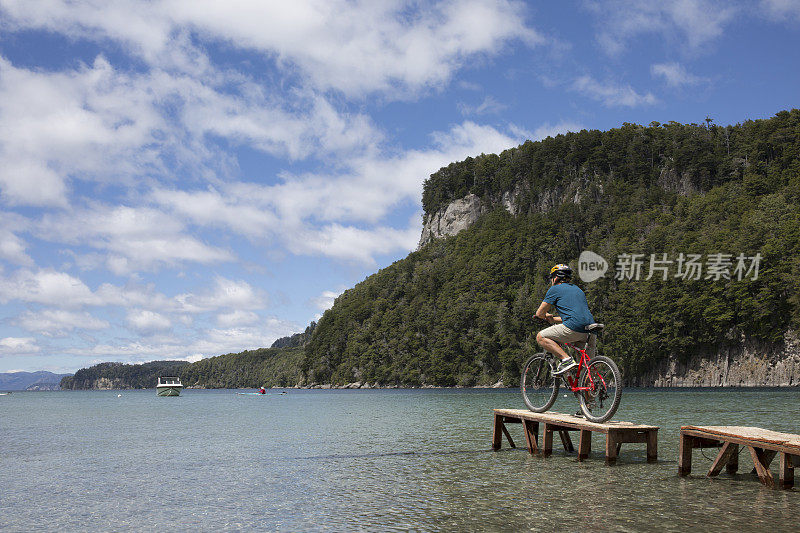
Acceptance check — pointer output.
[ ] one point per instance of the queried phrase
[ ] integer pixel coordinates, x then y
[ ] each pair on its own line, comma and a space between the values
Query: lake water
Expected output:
343, 460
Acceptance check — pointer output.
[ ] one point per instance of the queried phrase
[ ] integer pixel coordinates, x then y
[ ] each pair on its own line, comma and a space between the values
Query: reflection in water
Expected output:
366, 460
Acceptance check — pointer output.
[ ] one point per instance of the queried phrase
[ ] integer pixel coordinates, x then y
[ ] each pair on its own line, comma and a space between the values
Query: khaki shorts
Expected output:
561, 333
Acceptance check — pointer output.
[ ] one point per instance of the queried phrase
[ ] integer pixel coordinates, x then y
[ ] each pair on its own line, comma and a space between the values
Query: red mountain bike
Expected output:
596, 382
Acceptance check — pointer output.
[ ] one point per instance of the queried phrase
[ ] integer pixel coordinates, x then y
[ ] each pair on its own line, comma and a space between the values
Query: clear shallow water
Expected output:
365, 460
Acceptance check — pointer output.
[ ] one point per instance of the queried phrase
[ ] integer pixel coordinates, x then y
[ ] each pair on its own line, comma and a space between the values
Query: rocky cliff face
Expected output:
462, 213
747, 364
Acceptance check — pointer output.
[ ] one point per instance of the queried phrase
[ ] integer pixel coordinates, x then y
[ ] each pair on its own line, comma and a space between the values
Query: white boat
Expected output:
169, 386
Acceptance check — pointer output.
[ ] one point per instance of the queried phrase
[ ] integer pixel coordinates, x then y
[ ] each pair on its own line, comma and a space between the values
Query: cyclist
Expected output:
573, 315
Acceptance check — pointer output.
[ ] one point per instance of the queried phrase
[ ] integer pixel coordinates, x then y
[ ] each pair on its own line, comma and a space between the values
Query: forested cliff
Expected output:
699, 226
458, 310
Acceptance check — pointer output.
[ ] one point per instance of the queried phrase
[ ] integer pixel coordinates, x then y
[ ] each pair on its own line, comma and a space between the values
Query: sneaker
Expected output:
565, 366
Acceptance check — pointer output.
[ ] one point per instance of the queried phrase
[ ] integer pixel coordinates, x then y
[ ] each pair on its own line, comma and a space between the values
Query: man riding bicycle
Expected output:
573, 315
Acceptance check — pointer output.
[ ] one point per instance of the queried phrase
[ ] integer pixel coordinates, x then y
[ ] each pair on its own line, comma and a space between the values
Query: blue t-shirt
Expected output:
571, 306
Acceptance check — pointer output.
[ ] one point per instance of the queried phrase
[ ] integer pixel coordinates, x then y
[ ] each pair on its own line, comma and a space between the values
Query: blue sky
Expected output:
185, 178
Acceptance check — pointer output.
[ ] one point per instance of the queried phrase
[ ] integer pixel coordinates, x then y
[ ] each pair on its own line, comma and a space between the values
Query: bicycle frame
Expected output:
572, 382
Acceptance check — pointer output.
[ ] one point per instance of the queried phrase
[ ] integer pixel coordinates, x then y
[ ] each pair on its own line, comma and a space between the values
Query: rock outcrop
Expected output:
748, 364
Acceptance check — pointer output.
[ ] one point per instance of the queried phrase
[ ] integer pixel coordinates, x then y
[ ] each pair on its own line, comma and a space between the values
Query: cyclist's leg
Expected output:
550, 338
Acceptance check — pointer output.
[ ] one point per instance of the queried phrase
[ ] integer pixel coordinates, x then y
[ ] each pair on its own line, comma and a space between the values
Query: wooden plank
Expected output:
585, 444
785, 471
685, 454
761, 469
725, 453
572, 421
562, 423
652, 446
745, 435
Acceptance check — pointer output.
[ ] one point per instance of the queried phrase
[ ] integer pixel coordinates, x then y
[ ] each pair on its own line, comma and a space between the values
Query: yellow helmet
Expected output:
560, 271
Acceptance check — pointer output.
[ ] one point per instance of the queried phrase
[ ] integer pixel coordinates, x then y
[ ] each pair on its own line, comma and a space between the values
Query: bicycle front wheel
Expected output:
603, 383
538, 384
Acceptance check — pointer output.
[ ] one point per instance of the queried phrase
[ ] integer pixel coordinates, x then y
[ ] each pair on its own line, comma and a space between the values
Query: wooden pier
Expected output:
616, 433
763, 444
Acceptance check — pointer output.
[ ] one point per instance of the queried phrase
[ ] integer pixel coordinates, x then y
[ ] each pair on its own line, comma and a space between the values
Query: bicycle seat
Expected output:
593, 328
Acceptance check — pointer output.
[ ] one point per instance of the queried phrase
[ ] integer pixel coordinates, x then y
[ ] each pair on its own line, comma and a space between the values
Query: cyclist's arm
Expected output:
543, 313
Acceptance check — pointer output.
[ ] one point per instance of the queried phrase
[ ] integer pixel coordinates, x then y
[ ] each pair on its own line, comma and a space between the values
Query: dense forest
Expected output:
458, 311
122, 376
278, 366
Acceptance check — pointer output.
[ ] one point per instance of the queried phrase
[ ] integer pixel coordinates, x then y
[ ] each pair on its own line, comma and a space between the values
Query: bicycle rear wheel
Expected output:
604, 389
538, 384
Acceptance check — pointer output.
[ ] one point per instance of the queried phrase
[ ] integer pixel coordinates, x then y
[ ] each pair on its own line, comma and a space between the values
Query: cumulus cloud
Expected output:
146, 322
133, 238
611, 94
354, 47
59, 322
18, 346
225, 294
325, 300
675, 75
694, 22
319, 214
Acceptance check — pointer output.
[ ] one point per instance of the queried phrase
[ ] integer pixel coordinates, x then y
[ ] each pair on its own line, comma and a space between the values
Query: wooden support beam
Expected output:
769, 455
508, 436
585, 444
497, 435
611, 448
685, 454
759, 460
566, 441
652, 446
733, 461
547, 440
530, 429
725, 453
786, 471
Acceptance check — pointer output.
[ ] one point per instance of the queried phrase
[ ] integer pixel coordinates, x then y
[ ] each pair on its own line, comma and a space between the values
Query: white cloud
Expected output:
317, 213
355, 47
18, 346
325, 300
611, 94
488, 106
226, 294
47, 287
133, 238
553, 130
146, 322
12, 247
675, 75
781, 9
694, 22
237, 318
59, 322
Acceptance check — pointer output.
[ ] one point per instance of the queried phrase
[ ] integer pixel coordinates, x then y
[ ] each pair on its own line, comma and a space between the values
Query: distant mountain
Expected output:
41, 380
